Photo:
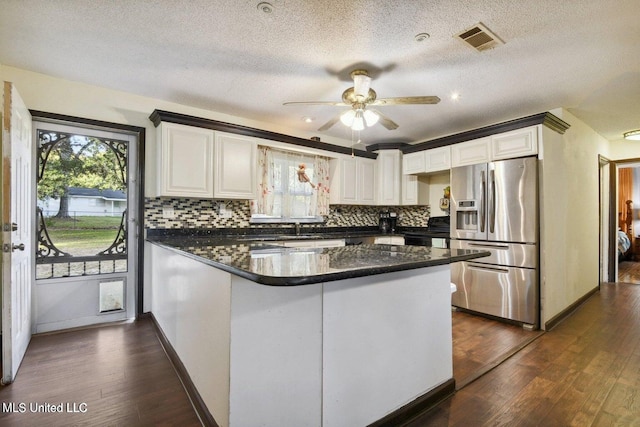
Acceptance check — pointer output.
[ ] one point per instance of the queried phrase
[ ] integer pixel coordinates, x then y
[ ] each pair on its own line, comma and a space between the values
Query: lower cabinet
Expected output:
324, 243
389, 240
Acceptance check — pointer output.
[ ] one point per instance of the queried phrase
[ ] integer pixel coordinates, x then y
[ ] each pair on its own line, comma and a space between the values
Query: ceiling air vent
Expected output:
480, 38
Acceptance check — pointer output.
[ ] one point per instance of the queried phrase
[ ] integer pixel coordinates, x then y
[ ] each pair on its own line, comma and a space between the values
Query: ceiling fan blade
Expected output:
338, 104
406, 100
330, 123
385, 121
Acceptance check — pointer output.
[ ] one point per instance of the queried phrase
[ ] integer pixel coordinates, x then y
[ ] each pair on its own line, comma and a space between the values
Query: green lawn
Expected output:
85, 222
82, 233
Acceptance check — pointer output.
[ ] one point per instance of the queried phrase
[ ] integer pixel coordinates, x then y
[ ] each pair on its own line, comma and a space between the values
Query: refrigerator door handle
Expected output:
483, 194
488, 268
485, 245
492, 201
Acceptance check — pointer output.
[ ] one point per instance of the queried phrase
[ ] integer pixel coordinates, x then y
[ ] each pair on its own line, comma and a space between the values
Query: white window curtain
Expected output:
291, 185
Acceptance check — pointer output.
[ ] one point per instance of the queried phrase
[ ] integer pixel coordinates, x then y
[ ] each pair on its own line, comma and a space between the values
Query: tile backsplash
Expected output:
203, 213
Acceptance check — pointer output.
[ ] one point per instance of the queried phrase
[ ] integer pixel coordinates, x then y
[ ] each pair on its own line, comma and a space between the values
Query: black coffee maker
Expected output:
388, 222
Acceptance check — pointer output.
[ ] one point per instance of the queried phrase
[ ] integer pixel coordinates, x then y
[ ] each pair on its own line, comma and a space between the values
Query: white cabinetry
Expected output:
235, 167
438, 159
517, 143
427, 161
507, 145
389, 177
414, 163
389, 240
322, 243
410, 189
200, 163
471, 152
353, 181
185, 161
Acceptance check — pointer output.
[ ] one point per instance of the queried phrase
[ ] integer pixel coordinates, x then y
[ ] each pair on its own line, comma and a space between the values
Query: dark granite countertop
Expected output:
267, 264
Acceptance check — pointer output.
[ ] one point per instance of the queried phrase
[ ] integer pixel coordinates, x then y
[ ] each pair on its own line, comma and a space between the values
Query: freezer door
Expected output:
510, 254
468, 202
513, 200
506, 292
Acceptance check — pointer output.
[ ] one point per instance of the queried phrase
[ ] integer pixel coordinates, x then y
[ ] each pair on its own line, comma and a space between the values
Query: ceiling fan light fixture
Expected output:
370, 117
358, 121
633, 135
347, 117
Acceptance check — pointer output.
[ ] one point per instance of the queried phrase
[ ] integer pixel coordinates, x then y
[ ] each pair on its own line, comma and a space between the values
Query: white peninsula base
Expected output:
341, 353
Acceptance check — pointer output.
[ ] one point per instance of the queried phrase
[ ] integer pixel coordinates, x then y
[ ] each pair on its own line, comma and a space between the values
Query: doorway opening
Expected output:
89, 210
620, 220
628, 204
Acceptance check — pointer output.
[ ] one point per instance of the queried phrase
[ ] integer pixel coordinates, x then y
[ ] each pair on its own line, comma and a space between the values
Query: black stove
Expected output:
438, 227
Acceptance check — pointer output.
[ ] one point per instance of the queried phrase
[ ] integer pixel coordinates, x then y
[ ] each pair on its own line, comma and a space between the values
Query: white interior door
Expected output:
17, 251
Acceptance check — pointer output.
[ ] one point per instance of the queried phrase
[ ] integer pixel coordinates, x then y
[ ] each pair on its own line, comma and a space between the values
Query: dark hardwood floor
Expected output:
584, 372
480, 344
629, 272
120, 372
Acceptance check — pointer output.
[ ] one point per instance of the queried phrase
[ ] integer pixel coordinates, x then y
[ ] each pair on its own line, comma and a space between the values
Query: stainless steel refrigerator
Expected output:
494, 207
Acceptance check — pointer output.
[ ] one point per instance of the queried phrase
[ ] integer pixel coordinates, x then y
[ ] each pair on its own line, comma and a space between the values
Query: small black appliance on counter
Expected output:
438, 227
388, 222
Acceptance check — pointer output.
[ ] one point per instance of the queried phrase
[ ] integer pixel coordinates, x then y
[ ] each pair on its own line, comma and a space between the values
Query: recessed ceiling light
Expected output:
421, 37
308, 119
455, 96
633, 135
265, 7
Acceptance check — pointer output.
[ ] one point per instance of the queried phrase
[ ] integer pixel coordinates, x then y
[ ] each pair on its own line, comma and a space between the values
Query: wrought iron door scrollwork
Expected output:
46, 247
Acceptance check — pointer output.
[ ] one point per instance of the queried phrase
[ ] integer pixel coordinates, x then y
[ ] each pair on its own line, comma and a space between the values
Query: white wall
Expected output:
437, 183
569, 227
624, 149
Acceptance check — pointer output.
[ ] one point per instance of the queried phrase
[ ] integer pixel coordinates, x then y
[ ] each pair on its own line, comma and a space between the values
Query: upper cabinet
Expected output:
235, 167
427, 161
200, 163
517, 143
389, 174
507, 145
471, 152
185, 161
353, 181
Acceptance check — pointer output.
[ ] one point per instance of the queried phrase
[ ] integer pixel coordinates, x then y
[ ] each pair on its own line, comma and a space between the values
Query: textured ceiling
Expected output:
229, 56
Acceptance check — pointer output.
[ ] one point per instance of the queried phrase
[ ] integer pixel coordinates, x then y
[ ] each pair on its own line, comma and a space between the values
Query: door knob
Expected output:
19, 247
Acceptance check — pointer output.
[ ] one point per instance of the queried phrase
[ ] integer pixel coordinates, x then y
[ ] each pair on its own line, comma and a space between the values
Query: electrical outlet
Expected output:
223, 211
168, 212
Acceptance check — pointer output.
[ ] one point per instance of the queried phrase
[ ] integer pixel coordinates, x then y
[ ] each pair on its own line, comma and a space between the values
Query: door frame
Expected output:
611, 234
140, 134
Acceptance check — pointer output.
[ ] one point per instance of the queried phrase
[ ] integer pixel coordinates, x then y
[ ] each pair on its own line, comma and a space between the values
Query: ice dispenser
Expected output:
467, 215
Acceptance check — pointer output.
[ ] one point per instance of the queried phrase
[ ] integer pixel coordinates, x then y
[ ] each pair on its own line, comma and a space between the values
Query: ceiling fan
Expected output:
359, 98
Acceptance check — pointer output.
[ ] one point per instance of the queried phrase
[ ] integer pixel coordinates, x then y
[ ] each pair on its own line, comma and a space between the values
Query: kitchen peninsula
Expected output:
282, 336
